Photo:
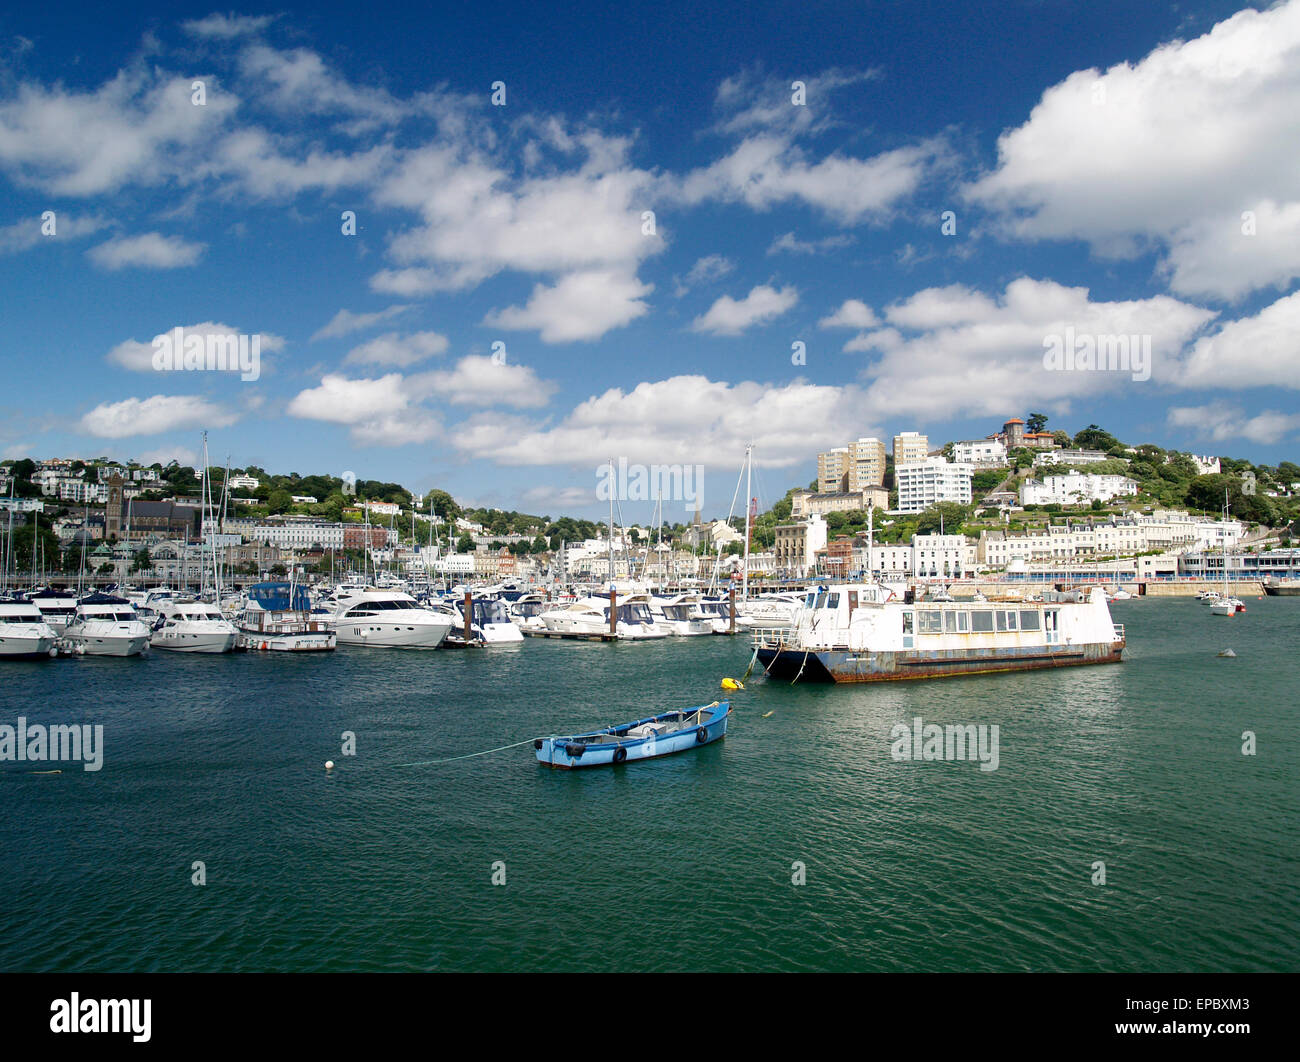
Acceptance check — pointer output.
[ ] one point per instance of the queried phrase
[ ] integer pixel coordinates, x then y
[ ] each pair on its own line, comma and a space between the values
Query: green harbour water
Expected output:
682, 864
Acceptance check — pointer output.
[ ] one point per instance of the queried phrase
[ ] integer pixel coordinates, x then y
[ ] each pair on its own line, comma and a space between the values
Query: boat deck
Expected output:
577, 636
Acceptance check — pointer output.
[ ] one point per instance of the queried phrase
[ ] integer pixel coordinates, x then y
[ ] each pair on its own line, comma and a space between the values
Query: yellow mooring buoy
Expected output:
732, 684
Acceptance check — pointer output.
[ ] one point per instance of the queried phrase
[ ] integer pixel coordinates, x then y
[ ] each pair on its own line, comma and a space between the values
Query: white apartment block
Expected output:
1205, 466
1070, 457
22, 505
941, 556
922, 484
980, 453
1076, 488
928, 557
291, 536
75, 489
243, 482
885, 561
910, 446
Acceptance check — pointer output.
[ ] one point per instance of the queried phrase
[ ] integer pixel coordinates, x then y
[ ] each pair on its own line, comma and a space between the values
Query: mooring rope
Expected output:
801, 667
466, 756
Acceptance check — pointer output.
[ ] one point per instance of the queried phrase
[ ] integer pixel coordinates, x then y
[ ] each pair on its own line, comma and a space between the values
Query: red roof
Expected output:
1015, 420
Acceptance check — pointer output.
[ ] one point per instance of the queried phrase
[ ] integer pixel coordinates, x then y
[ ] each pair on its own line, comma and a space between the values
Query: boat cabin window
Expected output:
907, 623
1006, 620
1029, 620
832, 601
981, 622
956, 622
929, 622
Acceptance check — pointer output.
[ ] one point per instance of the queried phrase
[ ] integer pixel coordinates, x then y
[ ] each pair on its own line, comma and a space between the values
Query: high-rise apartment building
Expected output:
832, 467
866, 464
911, 446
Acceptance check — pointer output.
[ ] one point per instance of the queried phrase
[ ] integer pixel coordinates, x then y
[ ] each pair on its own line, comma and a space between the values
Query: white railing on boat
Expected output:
774, 637
1119, 632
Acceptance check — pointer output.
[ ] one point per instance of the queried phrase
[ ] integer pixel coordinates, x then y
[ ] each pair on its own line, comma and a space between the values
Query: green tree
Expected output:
279, 501
1094, 438
465, 544
1035, 423
47, 548
948, 516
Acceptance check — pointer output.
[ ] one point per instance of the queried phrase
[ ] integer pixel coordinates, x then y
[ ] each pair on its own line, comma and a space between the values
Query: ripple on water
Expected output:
685, 864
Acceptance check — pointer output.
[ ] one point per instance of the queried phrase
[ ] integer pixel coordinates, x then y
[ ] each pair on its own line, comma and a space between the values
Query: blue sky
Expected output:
1111, 169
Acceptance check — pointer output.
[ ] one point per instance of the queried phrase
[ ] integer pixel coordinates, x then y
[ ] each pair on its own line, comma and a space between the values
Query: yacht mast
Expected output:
9, 537
611, 520
1225, 542
749, 468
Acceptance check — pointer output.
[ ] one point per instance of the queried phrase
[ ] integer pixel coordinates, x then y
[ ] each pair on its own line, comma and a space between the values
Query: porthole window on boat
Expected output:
981, 622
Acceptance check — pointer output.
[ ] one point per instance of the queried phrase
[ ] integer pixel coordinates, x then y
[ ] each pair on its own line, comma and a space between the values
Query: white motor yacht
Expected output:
56, 609
278, 617
193, 627
769, 612
387, 619
24, 632
526, 612
682, 614
590, 615
105, 625
490, 621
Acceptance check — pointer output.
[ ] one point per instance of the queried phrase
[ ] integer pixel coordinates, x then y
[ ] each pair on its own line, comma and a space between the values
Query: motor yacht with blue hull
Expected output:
645, 739
863, 633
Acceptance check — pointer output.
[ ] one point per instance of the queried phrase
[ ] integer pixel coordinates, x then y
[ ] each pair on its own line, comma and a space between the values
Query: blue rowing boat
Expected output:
645, 739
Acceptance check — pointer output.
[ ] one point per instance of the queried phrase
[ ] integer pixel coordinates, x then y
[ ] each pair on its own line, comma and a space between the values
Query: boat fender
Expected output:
620, 754
575, 750
537, 744
702, 735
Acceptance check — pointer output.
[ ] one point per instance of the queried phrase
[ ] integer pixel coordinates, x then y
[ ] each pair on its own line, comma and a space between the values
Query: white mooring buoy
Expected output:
329, 765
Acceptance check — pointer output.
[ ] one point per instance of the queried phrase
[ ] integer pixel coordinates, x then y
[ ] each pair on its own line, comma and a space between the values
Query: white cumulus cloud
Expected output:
731, 317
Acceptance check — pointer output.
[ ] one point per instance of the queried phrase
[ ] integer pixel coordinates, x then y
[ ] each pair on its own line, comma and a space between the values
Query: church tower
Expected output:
113, 508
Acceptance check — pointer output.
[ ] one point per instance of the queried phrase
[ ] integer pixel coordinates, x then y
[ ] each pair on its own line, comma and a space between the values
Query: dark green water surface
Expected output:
681, 864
